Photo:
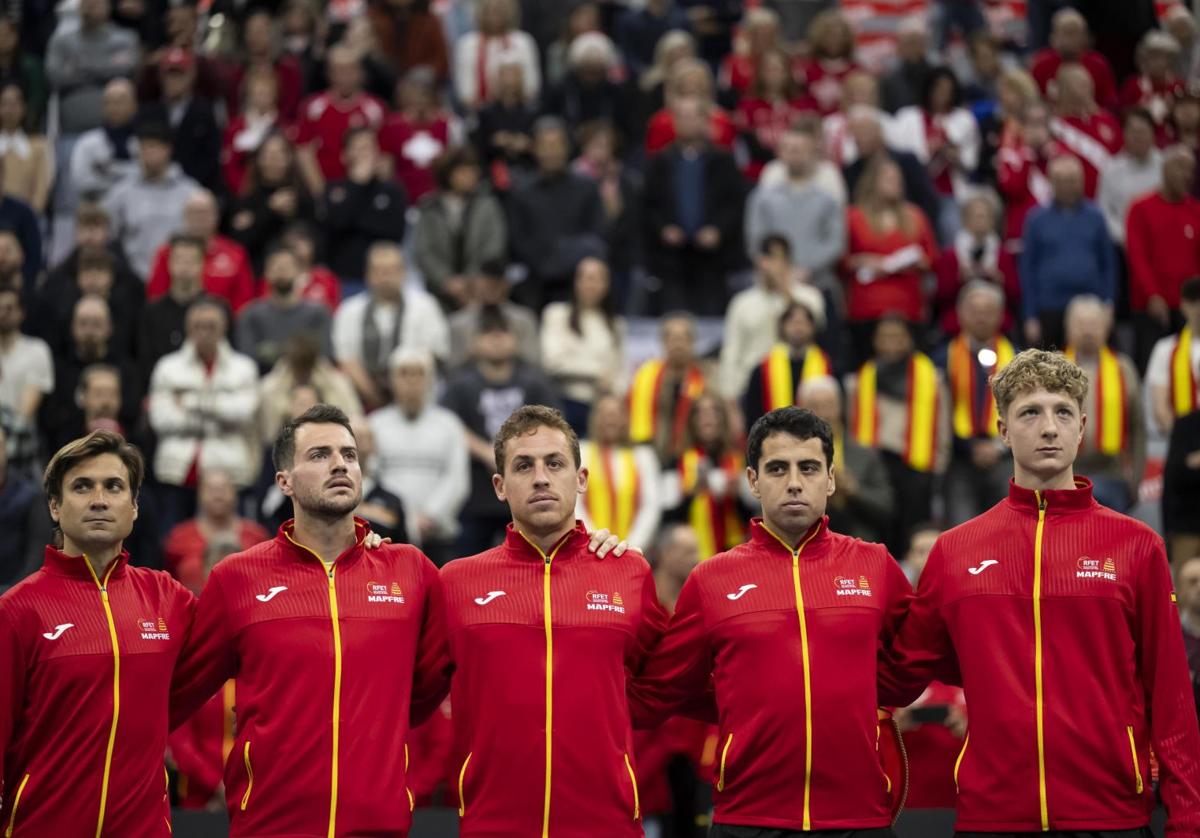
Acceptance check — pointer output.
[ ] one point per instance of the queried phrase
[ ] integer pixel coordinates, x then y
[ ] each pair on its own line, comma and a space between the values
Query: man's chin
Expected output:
335, 507
548, 518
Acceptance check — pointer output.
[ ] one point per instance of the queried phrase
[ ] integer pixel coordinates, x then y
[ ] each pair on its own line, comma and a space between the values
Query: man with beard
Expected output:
265, 327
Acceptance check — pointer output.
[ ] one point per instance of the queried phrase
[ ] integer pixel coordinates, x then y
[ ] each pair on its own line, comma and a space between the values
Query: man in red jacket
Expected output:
786, 628
330, 643
542, 636
1056, 616
87, 646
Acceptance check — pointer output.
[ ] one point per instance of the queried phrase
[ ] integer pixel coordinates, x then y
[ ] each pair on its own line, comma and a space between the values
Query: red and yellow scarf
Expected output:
644, 397
778, 388
1112, 420
718, 523
968, 422
921, 437
614, 487
1184, 398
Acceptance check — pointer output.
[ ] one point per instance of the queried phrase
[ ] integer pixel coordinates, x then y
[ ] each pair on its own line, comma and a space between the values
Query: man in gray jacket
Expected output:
82, 58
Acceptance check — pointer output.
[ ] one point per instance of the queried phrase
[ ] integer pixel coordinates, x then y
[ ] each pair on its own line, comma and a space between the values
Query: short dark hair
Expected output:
1137, 112
492, 319
155, 130
95, 444
283, 452
275, 249
455, 157
494, 269
799, 422
1190, 292
526, 420
773, 240
354, 132
186, 240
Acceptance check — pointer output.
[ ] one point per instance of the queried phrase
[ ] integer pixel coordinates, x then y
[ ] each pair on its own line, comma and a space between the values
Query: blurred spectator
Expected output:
227, 270
302, 367
421, 453
301, 40
581, 18
709, 479
1133, 173
382, 509
1188, 585
1086, 131
982, 78
162, 324
962, 16
187, 549
770, 107
673, 48
831, 59
61, 416
1065, 251
622, 492
1181, 491
1156, 85
663, 389
638, 32
317, 283
758, 35
25, 527
249, 128
1181, 25
837, 142
583, 343
980, 468
1069, 39
101, 405
273, 195
890, 249
588, 92
620, 192
22, 67
977, 254
362, 210
504, 127
17, 220
1163, 243
945, 137
1174, 368
1185, 122
26, 368
27, 163
267, 325
261, 53
461, 227
196, 138
866, 127
203, 405
418, 133
1113, 453
105, 155
560, 216
12, 260
489, 286
183, 31
1000, 128
81, 59
498, 40
326, 117
410, 36
689, 78
483, 395
899, 406
368, 327
147, 205
1022, 171
693, 215
904, 85
862, 502
792, 360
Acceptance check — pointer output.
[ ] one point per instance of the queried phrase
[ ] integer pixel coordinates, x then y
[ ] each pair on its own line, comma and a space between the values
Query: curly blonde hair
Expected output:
1037, 369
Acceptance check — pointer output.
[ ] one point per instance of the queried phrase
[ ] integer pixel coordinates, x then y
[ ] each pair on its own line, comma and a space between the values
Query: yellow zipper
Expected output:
1137, 769
12, 817
724, 754
462, 797
1037, 661
112, 731
249, 776
958, 762
637, 803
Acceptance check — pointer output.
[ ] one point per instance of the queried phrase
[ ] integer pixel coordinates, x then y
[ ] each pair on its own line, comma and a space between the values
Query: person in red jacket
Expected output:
786, 628
542, 636
87, 646
1069, 45
1057, 617
334, 646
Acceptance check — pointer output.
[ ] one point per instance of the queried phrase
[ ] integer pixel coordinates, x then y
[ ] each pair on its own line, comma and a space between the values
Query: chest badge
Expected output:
849, 586
154, 629
597, 601
58, 631
380, 592
1089, 568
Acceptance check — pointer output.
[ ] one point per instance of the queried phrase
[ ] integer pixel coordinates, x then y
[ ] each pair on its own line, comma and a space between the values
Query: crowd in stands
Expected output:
664, 218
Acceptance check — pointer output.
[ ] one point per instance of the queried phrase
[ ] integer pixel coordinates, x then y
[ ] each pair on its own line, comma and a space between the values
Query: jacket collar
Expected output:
77, 567
764, 538
519, 545
286, 539
1058, 501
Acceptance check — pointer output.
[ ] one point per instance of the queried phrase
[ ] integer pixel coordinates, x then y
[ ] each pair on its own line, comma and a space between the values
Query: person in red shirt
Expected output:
418, 134
1022, 171
689, 78
1057, 617
542, 637
1069, 45
758, 34
1082, 127
260, 51
250, 127
823, 73
799, 750
334, 645
770, 108
317, 283
325, 118
87, 647
1156, 87
227, 271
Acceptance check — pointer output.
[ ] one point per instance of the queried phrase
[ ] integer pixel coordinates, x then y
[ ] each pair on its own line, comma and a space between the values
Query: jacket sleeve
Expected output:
432, 666
1174, 733
13, 668
921, 644
680, 668
899, 598
208, 658
653, 625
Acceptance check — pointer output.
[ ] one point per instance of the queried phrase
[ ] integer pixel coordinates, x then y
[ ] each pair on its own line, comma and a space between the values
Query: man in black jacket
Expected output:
363, 209
195, 134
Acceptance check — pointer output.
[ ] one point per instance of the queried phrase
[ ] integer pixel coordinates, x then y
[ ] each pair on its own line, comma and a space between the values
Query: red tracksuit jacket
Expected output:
790, 640
543, 644
200, 746
85, 668
326, 662
1057, 617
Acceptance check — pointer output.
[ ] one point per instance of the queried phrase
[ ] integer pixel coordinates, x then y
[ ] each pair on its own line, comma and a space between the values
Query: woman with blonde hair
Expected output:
689, 77
771, 106
499, 40
757, 35
831, 59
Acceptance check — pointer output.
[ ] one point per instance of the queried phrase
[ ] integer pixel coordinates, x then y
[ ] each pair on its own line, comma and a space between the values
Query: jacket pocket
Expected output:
1139, 786
12, 817
958, 762
637, 803
724, 757
462, 778
249, 777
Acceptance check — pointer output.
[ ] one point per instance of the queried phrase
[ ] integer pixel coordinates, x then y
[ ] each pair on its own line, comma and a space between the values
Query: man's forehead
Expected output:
323, 435
539, 443
784, 446
100, 467
1042, 396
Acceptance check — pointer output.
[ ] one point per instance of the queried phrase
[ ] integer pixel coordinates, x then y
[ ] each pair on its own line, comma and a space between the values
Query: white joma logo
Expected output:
58, 631
741, 592
271, 593
484, 600
983, 565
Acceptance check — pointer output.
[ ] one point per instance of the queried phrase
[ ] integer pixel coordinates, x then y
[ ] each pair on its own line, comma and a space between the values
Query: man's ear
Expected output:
752, 479
1002, 427
832, 487
583, 481
53, 505
283, 479
498, 488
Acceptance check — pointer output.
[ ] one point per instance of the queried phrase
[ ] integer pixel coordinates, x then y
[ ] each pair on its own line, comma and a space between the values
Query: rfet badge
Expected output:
380, 592
597, 601
849, 586
154, 629
1089, 568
